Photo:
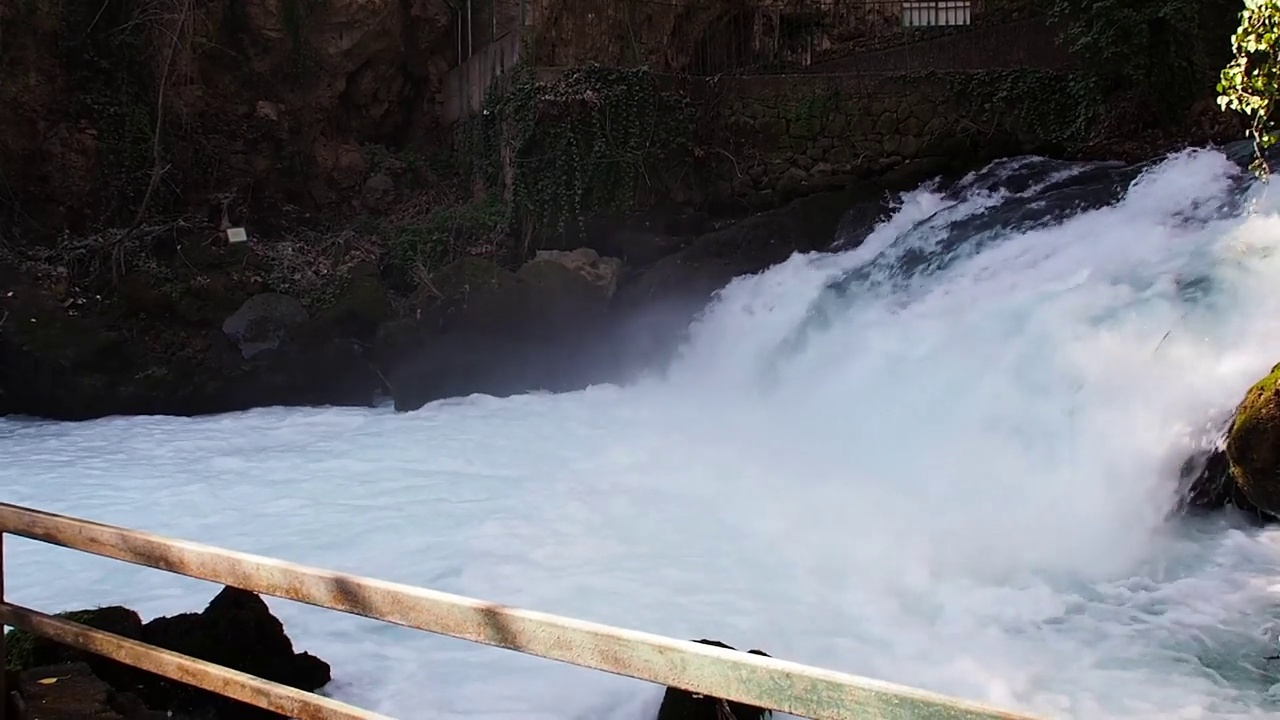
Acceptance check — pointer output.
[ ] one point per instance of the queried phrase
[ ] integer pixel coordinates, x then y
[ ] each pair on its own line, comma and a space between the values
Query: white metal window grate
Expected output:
936, 13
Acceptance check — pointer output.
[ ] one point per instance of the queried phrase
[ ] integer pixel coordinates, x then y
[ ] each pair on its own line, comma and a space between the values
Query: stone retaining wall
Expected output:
771, 136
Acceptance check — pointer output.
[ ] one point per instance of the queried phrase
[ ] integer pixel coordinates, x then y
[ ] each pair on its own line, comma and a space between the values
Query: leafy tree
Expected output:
1250, 82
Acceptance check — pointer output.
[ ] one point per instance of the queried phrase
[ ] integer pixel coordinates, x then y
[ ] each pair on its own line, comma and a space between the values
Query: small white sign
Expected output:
237, 235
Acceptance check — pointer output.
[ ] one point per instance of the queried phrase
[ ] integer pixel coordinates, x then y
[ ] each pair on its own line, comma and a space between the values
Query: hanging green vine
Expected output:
581, 144
1250, 83
1058, 108
103, 50
1159, 46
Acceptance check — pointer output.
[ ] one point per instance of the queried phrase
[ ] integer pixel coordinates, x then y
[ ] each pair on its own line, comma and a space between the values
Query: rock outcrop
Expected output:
1253, 445
484, 329
236, 630
263, 322
665, 296
1243, 469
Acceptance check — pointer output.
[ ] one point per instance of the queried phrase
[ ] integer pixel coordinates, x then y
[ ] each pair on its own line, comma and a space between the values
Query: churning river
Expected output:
945, 458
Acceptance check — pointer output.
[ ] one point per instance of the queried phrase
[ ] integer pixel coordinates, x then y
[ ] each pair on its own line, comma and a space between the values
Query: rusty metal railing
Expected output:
755, 680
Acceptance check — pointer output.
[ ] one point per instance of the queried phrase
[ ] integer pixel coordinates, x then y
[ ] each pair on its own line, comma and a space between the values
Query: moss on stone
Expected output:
20, 645
468, 274
1253, 444
1255, 402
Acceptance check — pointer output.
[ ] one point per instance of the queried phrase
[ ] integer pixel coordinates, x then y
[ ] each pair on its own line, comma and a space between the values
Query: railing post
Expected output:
4, 660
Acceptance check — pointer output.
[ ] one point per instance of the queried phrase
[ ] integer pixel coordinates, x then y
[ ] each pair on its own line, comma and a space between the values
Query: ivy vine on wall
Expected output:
1154, 45
578, 145
1055, 107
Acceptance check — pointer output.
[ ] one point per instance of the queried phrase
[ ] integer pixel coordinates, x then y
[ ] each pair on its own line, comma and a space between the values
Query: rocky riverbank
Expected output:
183, 323
395, 252
48, 681
236, 630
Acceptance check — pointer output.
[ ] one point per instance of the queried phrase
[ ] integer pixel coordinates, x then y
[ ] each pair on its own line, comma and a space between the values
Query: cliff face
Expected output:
105, 104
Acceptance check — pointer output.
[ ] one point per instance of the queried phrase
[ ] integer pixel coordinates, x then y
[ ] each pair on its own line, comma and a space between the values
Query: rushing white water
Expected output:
957, 479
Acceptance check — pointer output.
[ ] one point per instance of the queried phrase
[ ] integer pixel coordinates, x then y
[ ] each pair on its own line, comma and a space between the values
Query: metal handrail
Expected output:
747, 678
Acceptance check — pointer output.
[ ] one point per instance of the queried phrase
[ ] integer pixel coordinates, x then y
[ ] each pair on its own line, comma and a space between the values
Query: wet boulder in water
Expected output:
680, 704
1253, 445
481, 328
263, 322
236, 630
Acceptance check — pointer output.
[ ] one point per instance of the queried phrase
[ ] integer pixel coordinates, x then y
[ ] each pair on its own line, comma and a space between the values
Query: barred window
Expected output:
935, 13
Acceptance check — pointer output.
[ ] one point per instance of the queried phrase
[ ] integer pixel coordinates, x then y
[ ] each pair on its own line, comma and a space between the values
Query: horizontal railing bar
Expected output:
752, 679
290, 702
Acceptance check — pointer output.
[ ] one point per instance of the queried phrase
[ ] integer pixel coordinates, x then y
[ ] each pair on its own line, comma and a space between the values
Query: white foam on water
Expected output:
961, 482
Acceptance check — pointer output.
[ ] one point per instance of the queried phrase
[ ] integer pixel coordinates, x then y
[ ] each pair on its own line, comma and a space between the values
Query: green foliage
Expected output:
104, 52
1145, 44
1251, 81
448, 232
579, 145
814, 108
294, 14
18, 649
20, 644
1054, 107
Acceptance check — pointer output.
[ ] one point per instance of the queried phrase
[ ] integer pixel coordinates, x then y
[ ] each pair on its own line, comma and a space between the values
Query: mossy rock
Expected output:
24, 650
1253, 444
362, 304
469, 274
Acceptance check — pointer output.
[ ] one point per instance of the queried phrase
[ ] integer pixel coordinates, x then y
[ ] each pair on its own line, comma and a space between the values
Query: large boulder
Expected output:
660, 301
1241, 469
1253, 445
236, 630
757, 242
480, 328
27, 651
263, 322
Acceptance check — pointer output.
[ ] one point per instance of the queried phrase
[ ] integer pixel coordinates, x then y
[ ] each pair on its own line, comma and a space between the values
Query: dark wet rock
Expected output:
236, 630
361, 307
1253, 445
683, 705
30, 651
485, 329
1206, 476
263, 322
673, 290
647, 237
1241, 469
145, 352
811, 224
